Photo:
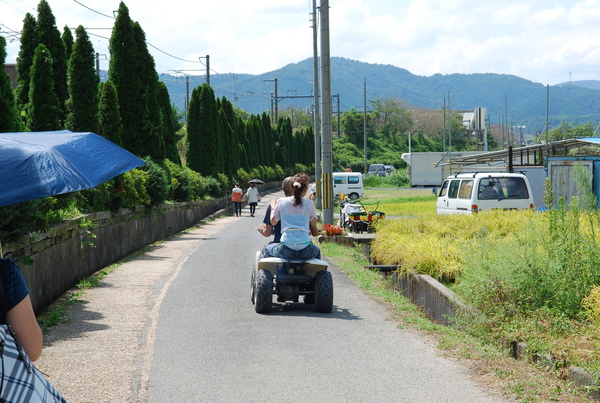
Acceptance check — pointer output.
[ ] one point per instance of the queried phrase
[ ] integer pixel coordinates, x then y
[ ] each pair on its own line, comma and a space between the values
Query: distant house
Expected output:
11, 70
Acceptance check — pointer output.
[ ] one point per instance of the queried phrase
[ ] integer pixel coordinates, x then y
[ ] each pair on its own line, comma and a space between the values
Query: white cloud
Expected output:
539, 40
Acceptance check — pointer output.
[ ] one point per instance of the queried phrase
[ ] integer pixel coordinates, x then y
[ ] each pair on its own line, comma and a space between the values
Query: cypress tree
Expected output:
246, 141
209, 162
134, 76
9, 117
269, 142
260, 141
278, 148
43, 110
29, 41
151, 139
253, 150
286, 142
49, 35
226, 137
123, 73
169, 124
109, 124
194, 152
82, 105
230, 138
67, 38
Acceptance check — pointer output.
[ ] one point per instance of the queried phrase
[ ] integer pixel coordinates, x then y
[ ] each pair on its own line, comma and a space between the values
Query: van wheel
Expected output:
353, 196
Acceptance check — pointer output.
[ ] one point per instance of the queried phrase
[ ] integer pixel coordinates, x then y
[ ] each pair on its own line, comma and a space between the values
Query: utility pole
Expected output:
339, 125
365, 124
444, 109
506, 119
207, 57
187, 96
316, 119
275, 98
450, 126
326, 144
276, 105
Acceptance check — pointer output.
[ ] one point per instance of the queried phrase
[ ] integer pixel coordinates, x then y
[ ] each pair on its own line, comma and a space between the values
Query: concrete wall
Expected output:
67, 253
436, 301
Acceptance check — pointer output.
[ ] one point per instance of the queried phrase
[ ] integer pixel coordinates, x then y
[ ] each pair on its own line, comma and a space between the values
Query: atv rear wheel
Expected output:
323, 292
263, 291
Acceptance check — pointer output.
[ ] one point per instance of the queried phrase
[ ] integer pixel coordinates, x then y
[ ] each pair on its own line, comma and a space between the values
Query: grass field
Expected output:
401, 202
532, 277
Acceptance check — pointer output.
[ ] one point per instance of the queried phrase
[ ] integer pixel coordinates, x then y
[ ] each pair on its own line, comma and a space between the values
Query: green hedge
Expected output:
152, 184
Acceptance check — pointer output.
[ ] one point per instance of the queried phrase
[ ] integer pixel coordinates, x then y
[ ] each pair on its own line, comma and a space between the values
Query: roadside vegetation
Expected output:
531, 277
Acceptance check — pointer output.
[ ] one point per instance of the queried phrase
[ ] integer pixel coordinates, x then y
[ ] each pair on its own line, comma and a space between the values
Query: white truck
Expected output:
424, 169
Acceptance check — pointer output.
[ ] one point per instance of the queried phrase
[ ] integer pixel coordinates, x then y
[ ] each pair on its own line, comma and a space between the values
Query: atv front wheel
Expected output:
323, 292
263, 291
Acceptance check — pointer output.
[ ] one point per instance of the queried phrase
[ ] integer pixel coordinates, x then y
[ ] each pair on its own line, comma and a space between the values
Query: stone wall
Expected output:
67, 253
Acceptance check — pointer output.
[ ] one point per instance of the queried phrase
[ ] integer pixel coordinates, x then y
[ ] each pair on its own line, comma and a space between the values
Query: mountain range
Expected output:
506, 97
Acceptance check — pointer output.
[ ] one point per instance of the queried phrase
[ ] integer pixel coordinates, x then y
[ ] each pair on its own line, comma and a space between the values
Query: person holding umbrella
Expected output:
252, 197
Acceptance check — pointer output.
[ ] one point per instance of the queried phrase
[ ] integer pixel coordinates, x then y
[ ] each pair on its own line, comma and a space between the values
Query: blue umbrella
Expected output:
40, 164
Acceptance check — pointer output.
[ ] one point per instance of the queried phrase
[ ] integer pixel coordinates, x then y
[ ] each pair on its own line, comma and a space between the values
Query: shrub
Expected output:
158, 182
224, 182
21, 218
98, 198
396, 180
212, 186
298, 168
196, 184
134, 190
242, 176
279, 173
268, 174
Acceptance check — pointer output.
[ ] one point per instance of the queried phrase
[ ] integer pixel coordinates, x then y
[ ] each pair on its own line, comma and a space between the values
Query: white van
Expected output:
470, 193
348, 183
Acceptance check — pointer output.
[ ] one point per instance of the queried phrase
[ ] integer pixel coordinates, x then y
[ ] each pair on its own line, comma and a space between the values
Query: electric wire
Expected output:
97, 12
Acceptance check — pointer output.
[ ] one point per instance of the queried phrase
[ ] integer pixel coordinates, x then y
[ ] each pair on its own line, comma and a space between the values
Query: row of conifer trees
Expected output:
59, 88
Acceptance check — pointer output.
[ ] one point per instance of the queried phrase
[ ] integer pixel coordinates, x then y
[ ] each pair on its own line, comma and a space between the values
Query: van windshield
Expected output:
502, 188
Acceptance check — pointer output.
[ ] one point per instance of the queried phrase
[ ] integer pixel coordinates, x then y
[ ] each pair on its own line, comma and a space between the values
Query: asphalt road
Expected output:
211, 346
175, 324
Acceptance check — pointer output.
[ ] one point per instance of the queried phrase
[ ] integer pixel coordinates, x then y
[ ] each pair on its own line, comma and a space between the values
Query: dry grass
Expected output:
436, 245
516, 248
490, 364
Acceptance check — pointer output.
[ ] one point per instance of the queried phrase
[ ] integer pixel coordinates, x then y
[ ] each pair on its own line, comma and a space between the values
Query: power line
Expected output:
97, 12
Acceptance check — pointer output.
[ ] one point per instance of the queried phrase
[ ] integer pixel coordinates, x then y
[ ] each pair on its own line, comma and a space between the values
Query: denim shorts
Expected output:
282, 251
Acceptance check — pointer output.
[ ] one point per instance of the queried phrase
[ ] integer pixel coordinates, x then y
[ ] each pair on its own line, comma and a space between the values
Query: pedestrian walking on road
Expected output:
252, 196
236, 198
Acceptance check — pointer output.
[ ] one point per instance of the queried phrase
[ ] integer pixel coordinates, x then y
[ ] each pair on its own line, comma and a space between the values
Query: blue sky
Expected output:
541, 40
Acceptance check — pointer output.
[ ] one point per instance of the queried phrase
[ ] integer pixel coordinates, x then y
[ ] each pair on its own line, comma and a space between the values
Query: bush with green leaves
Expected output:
158, 184
134, 189
22, 218
225, 183
396, 180
212, 187
242, 176
181, 182
196, 184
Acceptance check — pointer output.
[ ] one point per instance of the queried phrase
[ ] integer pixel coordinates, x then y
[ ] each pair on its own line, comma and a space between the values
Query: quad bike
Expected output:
289, 279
